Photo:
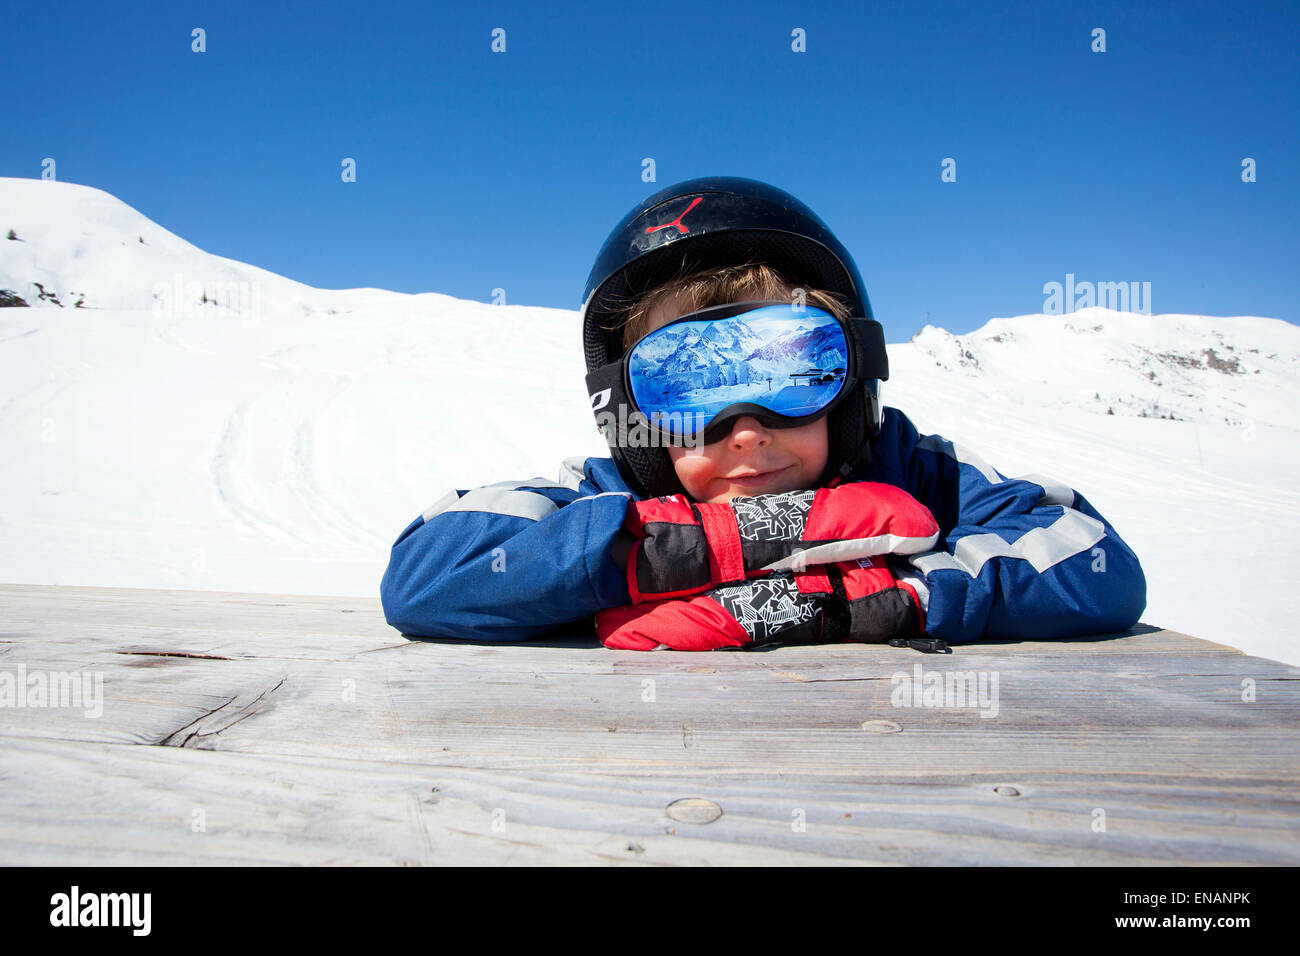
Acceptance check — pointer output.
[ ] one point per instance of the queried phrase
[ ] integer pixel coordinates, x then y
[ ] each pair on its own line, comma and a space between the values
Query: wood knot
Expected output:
881, 727
693, 810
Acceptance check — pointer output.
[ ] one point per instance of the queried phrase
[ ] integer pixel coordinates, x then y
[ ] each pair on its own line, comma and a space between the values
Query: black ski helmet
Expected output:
719, 221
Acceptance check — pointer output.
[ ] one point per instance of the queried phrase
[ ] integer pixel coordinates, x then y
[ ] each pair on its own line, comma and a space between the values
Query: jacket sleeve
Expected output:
509, 561
1021, 558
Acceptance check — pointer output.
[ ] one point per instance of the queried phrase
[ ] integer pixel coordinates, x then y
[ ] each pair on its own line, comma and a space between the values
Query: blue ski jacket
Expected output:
1020, 558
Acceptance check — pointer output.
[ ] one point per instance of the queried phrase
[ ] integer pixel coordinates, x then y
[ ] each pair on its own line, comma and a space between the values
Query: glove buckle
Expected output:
927, 645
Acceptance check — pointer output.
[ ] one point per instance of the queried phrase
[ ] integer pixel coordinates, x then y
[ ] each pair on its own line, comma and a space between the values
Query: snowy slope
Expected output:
280, 441
1210, 507
1191, 368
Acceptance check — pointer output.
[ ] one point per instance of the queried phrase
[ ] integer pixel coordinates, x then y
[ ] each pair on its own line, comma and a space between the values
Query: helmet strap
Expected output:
862, 457
863, 454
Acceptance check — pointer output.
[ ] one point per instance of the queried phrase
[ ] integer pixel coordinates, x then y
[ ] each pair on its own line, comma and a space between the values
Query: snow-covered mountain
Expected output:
77, 246
1190, 368
196, 422
736, 354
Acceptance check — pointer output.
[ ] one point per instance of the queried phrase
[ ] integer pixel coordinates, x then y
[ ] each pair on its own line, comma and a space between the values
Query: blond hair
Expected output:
717, 287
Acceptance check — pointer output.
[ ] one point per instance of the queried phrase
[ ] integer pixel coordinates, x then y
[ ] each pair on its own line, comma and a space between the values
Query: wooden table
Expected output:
257, 728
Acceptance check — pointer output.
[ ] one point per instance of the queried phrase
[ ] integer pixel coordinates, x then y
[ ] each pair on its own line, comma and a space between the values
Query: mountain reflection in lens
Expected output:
789, 361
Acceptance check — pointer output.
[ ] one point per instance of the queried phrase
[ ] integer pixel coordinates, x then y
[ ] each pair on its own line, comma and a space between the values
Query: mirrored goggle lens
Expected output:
792, 362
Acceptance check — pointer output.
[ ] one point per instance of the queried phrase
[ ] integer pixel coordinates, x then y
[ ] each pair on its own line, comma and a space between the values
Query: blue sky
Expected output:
478, 170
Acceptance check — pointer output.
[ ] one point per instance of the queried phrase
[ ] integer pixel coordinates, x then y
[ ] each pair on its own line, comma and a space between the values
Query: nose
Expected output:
748, 433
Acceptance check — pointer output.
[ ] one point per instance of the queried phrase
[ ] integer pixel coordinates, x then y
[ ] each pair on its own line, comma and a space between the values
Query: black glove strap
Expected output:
927, 645
836, 620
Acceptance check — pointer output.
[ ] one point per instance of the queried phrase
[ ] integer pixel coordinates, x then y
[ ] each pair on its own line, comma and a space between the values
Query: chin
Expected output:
754, 492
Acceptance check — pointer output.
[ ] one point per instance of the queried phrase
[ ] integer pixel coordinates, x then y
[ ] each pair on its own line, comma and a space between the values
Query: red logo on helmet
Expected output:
678, 221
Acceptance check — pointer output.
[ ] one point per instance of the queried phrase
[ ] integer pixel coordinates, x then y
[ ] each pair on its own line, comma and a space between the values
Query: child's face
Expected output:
753, 459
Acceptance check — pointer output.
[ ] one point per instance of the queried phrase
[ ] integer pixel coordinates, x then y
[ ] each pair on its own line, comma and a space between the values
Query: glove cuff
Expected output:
880, 606
916, 605
726, 554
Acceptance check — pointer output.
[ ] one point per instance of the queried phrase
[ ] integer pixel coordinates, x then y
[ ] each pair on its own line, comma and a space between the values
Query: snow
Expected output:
280, 442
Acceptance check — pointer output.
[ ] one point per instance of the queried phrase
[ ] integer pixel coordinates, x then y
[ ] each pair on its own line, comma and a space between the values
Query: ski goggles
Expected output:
688, 381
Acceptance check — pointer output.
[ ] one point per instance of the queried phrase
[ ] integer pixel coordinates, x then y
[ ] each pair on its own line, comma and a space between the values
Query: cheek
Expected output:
810, 444
694, 470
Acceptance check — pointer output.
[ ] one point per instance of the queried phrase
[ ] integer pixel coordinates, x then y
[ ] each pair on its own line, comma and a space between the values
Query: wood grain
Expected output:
250, 728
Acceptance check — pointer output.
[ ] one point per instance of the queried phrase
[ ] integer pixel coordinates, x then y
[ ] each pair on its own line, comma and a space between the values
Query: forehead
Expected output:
665, 310
678, 304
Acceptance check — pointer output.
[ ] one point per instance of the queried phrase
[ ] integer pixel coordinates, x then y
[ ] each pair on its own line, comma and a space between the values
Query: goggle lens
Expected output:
788, 360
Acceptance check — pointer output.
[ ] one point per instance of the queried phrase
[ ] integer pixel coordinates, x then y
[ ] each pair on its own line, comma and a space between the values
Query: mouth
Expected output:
759, 478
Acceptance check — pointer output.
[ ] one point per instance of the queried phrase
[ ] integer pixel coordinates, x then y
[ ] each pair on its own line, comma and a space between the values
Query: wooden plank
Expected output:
579, 747
140, 805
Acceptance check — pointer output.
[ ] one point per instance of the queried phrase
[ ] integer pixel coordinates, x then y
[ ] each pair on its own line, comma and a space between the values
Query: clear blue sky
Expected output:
478, 170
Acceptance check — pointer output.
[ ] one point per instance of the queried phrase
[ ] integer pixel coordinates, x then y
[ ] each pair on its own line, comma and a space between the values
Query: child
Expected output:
758, 491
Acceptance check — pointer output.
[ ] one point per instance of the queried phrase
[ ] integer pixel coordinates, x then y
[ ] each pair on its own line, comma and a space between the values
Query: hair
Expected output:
718, 287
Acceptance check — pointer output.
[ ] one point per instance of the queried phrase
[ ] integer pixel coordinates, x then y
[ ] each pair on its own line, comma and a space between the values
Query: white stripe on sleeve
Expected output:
1041, 547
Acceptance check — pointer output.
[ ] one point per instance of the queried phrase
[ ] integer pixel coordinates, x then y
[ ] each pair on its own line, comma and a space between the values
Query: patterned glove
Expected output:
684, 547
847, 601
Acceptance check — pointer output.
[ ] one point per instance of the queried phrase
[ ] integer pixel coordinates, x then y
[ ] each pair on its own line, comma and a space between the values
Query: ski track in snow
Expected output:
329, 514
236, 490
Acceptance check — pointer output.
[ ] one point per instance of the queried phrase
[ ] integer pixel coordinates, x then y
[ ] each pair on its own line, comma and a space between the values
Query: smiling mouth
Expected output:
755, 479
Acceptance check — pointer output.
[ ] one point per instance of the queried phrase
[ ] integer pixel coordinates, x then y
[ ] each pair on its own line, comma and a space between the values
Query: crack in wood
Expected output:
193, 732
206, 657
494, 836
386, 647
630, 860
838, 680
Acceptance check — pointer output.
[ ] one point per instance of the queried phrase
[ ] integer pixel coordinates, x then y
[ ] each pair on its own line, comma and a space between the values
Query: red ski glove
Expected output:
846, 601
684, 547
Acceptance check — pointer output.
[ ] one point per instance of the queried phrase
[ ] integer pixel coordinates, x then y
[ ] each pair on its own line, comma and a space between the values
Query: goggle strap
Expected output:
607, 379
870, 357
